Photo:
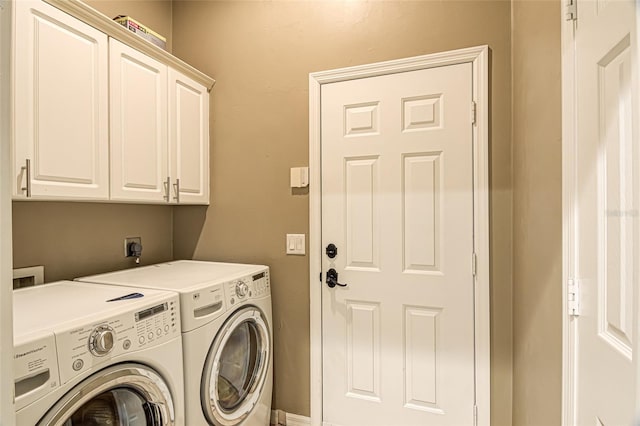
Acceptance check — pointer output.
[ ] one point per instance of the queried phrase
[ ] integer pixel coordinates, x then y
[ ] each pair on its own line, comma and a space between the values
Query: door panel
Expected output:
606, 212
139, 143
61, 110
397, 201
189, 139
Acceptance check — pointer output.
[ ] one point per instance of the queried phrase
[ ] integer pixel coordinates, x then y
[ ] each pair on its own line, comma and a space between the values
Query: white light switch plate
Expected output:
296, 244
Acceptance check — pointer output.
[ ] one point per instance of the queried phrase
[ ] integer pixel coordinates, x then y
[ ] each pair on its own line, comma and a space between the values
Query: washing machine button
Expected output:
126, 344
77, 365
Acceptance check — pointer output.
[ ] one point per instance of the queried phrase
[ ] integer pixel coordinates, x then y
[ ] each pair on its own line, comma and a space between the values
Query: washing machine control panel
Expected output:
89, 345
250, 286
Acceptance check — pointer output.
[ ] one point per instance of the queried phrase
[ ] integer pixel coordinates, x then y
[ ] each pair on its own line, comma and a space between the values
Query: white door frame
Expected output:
569, 152
478, 57
6, 295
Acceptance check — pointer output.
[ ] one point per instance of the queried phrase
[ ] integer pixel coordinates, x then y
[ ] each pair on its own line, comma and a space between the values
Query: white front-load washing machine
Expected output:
92, 354
226, 336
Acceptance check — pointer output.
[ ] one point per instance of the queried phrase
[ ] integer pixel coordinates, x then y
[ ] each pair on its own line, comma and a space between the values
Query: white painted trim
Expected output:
290, 419
569, 189
6, 267
296, 420
105, 24
479, 58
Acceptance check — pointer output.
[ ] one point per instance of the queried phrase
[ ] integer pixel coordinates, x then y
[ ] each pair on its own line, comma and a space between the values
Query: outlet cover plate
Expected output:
128, 241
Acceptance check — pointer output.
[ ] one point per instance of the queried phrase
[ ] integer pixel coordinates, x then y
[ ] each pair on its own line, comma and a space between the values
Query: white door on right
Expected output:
606, 214
397, 204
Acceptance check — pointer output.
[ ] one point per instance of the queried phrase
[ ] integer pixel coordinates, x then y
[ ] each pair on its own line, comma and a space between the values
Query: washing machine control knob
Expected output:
242, 289
101, 340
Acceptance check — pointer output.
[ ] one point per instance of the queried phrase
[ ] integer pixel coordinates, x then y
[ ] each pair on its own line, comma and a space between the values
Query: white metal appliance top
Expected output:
181, 276
68, 304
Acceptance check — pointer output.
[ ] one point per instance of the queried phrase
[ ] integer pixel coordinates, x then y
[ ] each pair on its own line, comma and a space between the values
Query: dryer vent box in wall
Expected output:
28, 277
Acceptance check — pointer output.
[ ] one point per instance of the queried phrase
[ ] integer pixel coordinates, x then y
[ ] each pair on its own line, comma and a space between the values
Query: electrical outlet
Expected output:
127, 242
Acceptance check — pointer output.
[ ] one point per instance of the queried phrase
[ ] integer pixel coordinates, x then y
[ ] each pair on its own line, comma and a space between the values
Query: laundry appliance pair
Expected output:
226, 336
225, 321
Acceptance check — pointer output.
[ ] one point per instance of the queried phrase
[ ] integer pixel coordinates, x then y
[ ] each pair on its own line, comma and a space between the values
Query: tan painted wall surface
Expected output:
261, 53
155, 14
537, 308
73, 239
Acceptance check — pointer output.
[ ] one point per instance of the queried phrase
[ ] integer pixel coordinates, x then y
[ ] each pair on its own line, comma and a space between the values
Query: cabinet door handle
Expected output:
27, 170
167, 189
176, 186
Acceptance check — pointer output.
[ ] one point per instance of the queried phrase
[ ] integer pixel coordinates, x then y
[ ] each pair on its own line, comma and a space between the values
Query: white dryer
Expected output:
226, 335
91, 354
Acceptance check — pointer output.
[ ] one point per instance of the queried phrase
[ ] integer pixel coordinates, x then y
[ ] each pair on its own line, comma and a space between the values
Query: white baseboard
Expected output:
290, 419
296, 420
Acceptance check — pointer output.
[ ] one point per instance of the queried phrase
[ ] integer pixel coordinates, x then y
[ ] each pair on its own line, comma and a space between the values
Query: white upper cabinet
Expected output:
60, 106
98, 119
189, 139
139, 143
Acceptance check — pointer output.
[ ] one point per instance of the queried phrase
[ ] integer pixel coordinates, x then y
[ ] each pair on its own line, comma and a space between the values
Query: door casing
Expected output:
479, 58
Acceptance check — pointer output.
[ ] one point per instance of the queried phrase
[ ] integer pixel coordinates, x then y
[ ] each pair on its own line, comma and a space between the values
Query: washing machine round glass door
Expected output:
236, 367
126, 394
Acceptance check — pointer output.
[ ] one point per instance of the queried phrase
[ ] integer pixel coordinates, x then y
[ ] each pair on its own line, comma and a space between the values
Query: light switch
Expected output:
296, 244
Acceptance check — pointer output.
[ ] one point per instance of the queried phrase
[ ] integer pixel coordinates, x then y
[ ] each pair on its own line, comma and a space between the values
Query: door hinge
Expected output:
320, 277
474, 112
573, 297
571, 13
474, 264
475, 415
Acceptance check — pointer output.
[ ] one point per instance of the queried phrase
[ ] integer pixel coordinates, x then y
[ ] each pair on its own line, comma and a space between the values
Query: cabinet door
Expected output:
139, 144
61, 105
189, 139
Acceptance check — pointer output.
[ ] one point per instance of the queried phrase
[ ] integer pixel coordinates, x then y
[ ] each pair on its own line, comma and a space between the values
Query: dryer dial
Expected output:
242, 289
101, 340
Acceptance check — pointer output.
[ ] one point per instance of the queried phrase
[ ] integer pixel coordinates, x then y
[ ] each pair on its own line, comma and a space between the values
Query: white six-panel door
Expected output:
603, 178
139, 140
397, 201
61, 105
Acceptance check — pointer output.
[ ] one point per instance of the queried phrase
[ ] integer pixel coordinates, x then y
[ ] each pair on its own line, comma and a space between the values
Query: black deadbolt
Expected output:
331, 250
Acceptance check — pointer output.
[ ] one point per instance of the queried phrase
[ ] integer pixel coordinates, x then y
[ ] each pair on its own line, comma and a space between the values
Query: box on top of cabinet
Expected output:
141, 30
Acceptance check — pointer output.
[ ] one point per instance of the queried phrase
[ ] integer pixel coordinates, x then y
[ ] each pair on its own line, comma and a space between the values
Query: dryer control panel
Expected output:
87, 346
248, 287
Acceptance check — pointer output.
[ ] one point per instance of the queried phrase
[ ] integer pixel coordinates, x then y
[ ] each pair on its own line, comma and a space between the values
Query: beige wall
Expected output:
537, 306
155, 14
73, 239
261, 53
